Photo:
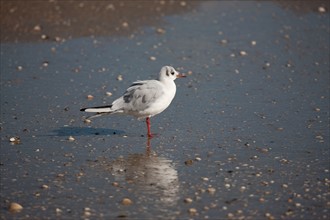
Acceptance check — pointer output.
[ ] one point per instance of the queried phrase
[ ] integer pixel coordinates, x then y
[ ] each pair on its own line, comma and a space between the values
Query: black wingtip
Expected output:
83, 109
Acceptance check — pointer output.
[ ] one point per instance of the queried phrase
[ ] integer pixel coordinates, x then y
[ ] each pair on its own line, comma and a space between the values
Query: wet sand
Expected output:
246, 137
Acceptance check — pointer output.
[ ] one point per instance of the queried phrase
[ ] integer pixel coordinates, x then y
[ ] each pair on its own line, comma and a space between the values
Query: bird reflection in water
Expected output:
154, 176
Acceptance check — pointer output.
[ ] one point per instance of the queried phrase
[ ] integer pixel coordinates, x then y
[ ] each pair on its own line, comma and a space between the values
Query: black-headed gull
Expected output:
143, 99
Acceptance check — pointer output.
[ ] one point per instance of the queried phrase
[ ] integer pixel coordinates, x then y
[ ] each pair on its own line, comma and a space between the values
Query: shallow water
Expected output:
246, 137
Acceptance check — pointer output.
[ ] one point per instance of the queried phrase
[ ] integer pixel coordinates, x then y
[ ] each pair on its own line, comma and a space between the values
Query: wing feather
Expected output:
141, 94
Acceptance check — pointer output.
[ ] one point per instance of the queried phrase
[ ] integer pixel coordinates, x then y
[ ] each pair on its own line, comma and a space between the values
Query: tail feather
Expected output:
98, 115
99, 109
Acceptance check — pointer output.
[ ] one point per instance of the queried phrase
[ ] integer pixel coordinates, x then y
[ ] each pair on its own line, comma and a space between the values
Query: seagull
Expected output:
143, 99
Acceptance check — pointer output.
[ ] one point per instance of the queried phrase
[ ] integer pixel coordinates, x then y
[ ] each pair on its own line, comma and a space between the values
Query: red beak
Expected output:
180, 75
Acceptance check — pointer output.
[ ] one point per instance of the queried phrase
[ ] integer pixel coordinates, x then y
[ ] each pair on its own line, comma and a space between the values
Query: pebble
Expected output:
264, 150
258, 174
87, 121
192, 211
188, 162
269, 216
44, 186
213, 205
200, 190
15, 207
87, 211
19, 68
103, 69
37, 28
14, 140
44, 37
71, 138
243, 53
76, 70
58, 39
289, 212
188, 200
125, 24
322, 9
152, 58
205, 179
160, 31
110, 7
90, 97
60, 175
58, 211
108, 93
45, 63
119, 77
126, 201
230, 215
264, 183
319, 137
223, 41
211, 190
266, 65
253, 43
198, 159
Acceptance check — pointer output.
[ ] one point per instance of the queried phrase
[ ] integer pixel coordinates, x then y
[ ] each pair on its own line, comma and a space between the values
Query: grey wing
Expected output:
141, 94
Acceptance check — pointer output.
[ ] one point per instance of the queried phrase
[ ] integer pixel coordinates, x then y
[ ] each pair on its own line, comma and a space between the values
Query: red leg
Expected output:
148, 126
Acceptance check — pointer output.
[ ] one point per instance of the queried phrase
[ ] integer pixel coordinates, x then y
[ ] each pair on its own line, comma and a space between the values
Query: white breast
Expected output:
162, 102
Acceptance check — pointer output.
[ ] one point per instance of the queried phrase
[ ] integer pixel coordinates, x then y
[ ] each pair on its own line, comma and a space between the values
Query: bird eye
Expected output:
172, 73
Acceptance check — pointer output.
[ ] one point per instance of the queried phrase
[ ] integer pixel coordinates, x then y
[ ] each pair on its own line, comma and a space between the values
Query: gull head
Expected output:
169, 73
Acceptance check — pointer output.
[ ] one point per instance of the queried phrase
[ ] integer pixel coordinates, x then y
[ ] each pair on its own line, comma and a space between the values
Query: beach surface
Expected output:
246, 137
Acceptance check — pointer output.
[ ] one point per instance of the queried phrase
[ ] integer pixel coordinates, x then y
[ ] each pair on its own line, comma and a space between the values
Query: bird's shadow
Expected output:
85, 131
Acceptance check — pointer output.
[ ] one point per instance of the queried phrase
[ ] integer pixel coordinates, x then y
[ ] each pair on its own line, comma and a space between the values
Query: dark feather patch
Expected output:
128, 97
136, 84
144, 99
